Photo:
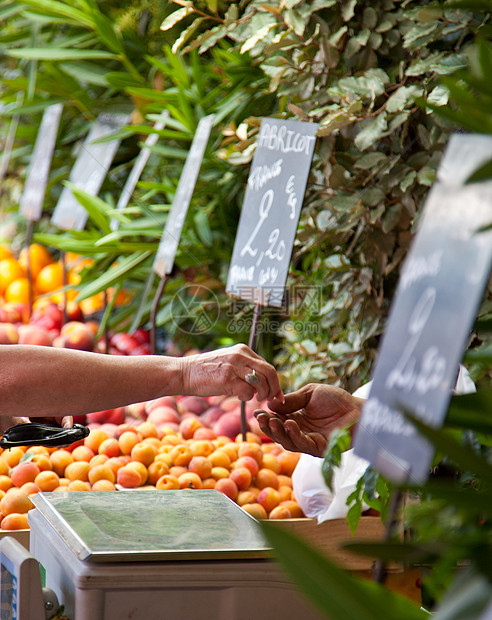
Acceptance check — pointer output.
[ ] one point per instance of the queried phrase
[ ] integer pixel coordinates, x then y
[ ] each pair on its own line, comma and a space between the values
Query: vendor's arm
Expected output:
304, 422
50, 382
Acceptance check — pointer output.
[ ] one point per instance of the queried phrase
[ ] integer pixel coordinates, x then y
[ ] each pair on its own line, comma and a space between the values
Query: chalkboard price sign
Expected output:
271, 209
31, 203
89, 171
435, 305
171, 235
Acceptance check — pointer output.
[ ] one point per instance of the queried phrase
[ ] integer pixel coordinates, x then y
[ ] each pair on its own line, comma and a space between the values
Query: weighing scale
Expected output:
190, 554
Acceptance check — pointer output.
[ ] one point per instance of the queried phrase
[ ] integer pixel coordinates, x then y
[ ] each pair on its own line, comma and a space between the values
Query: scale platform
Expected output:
190, 554
143, 526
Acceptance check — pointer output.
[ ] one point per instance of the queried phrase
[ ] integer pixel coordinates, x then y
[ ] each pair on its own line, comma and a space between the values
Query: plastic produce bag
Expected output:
312, 494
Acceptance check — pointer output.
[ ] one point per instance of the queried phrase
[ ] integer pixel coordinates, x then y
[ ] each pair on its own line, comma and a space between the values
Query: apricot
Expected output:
15, 500
284, 481
284, 493
42, 461
172, 440
24, 472
47, 480
95, 439
38, 450
250, 438
231, 449
202, 447
245, 497
82, 453
163, 457
219, 472
219, 458
266, 478
99, 459
147, 429
12, 456
288, 461
64, 482
4, 468
189, 480
78, 470
177, 470
115, 463
280, 512
60, 459
269, 498
200, 465
228, 487
78, 485
128, 477
153, 441
181, 455
242, 477
167, 482
221, 440
110, 447
249, 463
101, 472
294, 508
103, 485
15, 521
270, 461
189, 426
30, 488
157, 469
144, 453
141, 469
253, 450
255, 510
127, 441
5, 483
208, 483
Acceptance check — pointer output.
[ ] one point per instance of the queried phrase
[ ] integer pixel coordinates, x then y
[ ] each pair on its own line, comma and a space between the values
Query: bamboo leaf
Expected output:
95, 207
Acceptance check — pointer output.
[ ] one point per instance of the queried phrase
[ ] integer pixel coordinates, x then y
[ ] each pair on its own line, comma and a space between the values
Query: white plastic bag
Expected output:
310, 490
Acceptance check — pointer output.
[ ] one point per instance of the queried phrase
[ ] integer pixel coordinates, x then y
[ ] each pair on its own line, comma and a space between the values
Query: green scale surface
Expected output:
141, 526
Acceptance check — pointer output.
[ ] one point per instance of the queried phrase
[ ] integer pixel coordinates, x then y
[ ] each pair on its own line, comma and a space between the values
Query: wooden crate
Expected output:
20, 535
328, 538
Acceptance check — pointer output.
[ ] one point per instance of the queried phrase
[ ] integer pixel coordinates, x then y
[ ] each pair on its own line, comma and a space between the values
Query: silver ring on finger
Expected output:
251, 378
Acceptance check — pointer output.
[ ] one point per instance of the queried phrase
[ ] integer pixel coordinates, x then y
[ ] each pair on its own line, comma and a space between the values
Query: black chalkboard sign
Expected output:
89, 171
164, 260
436, 302
31, 203
271, 209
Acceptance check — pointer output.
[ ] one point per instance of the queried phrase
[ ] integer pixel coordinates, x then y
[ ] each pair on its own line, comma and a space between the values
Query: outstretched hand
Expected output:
305, 421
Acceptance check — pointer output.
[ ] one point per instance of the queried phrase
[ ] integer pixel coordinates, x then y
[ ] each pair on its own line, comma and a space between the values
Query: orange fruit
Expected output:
255, 510
144, 453
167, 482
266, 478
10, 270
38, 257
50, 278
15, 500
189, 480
128, 477
47, 480
280, 512
101, 472
15, 521
18, 291
78, 485
59, 460
103, 485
24, 472
12, 456
95, 439
140, 469
5, 252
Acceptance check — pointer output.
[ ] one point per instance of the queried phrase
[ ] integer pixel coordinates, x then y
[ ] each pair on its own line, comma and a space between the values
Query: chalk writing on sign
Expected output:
271, 208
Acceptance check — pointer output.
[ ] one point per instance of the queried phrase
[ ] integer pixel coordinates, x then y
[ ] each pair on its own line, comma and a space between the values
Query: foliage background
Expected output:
360, 69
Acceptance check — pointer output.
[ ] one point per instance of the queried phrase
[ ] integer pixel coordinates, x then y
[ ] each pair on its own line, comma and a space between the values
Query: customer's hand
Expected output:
304, 422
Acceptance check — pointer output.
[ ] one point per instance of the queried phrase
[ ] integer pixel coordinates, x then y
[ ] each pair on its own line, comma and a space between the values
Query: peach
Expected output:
269, 498
163, 401
101, 472
255, 510
190, 480
201, 465
167, 482
228, 424
77, 335
211, 415
24, 472
8, 334
242, 477
280, 512
163, 415
195, 404
59, 460
15, 500
47, 480
228, 487
15, 521
128, 477
32, 334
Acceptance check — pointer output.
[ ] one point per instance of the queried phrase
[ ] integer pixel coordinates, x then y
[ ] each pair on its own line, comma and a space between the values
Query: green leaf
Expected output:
336, 593
60, 53
95, 207
483, 173
471, 411
468, 597
177, 16
371, 132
